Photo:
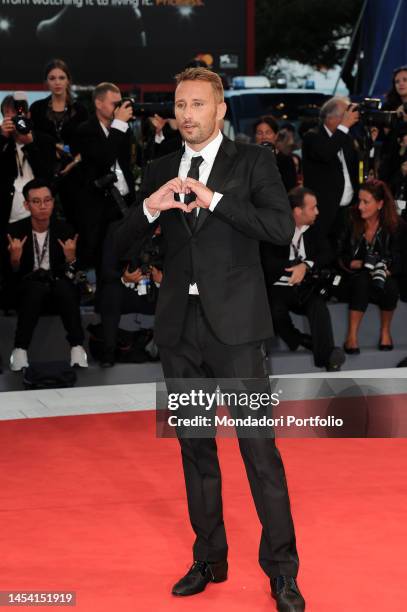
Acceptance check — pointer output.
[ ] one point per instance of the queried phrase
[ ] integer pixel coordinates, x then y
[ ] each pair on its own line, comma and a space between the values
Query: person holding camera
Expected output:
24, 154
60, 115
293, 275
370, 254
266, 133
104, 143
330, 162
128, 284
42, 252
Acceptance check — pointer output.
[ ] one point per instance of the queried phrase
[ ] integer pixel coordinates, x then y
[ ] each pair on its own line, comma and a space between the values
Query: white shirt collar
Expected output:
301, 229
328, 130
208, 153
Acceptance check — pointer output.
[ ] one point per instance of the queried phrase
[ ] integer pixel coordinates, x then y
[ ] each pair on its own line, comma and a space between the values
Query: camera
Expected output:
40, 276
151, 255
321, 282
106, 183
22, 123
377, 268
371, 259
149, 109
379, 274
372, 116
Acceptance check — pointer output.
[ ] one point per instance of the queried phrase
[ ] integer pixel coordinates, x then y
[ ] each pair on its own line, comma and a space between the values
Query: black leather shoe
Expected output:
285, 591
200, 573
351, 350
108, 359
385, 347
336, 359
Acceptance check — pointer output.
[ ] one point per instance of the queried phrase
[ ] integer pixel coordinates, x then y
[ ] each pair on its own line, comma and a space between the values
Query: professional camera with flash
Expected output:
22, 123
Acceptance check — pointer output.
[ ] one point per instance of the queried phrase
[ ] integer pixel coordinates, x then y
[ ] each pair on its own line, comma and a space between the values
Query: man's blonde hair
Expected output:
205, 75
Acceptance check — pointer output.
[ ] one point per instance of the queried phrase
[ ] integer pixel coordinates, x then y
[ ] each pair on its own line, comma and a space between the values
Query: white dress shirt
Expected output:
24, 174
121, 183
347, 195
208, 153
297, 249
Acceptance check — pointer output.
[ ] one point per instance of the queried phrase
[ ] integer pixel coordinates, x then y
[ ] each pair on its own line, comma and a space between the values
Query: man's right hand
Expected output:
124, 112
7, 128
351, 116
132, 277
163, 198
15, 247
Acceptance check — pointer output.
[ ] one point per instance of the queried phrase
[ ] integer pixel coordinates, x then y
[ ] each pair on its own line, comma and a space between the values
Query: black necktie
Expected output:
193, 172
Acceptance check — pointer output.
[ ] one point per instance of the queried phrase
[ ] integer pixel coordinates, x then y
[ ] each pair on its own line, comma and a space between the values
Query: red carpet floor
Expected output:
96, 504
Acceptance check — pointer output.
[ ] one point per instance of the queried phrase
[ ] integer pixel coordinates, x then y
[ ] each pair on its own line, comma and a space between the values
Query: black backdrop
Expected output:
102, 40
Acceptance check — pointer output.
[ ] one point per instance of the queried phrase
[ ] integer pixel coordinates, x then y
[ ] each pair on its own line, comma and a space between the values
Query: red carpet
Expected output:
96, 504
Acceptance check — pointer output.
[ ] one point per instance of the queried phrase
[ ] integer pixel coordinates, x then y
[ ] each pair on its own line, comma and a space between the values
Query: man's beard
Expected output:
199, 136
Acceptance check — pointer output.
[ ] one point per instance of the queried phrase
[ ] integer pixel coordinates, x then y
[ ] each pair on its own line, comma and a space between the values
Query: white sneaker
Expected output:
79, 357
18, 360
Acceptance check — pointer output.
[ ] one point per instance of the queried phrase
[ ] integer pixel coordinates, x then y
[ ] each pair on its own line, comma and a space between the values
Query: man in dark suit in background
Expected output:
104, 143
213, 314
288, 269
330, 163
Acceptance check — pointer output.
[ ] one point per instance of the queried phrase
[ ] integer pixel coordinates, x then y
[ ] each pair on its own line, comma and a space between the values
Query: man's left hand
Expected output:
203, 194
69, 248
297, 273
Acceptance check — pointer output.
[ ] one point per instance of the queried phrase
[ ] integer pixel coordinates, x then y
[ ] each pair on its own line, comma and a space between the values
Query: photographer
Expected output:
266, 133
24, 154
370, 252
292, 276
42, 252
104, 143
129, 284
330, 162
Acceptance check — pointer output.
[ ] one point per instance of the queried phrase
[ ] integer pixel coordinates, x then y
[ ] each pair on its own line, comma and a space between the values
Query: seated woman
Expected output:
370, 254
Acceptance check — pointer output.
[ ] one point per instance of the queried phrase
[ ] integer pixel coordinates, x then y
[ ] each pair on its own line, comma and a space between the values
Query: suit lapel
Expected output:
221, 168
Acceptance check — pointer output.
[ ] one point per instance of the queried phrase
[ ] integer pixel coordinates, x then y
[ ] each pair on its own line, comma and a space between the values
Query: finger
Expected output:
61, 243
75, 238
175, 185
289, 269
181, 206
9, 238
23, 240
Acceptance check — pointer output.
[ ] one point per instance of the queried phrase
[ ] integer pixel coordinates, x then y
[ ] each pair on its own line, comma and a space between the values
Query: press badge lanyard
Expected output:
39, 258
20, 163
296, 248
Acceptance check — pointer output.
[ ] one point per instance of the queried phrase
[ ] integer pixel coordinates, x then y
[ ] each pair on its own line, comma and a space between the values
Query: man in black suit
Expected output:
23, 156
330, 163
288, 269
42, 253
213, 315
104, 142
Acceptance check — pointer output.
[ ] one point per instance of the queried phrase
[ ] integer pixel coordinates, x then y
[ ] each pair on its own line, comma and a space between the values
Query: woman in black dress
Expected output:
59, 115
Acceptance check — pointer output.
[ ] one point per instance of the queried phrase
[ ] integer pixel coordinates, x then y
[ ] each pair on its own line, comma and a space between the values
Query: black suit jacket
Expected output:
75, 115
99, 153
222, 254
323, 171
40, 155
275, 258
57, 229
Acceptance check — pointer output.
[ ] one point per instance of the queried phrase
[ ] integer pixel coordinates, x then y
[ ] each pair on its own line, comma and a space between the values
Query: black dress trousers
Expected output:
199, 354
